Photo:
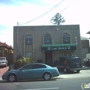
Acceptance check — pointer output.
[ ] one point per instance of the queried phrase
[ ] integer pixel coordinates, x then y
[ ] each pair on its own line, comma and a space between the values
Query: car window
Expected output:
75, 59
65, 61
35, 66
62, 60
2, 58
27, 67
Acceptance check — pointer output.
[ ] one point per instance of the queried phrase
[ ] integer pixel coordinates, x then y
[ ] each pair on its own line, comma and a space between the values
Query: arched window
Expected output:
47, 39
66, 38
28, 40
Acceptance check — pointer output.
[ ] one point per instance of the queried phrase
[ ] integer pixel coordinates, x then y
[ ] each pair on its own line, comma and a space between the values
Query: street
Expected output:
70, 81
55, 84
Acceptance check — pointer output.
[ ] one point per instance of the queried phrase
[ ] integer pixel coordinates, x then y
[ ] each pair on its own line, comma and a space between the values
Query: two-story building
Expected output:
47, 42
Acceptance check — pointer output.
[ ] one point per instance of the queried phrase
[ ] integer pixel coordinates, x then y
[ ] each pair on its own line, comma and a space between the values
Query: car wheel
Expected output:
12, 78
78, 71
47, 76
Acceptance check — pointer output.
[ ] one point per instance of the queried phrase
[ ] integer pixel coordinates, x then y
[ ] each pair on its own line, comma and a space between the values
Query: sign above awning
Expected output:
57, 47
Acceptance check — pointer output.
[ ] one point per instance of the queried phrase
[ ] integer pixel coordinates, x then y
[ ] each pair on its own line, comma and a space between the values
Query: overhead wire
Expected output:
67, 7
44, 13
50, 11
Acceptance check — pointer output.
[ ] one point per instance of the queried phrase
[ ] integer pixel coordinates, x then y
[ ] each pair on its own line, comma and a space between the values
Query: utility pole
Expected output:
17, 39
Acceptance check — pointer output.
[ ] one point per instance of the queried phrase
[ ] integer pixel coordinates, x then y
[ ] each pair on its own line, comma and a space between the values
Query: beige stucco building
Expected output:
47, 42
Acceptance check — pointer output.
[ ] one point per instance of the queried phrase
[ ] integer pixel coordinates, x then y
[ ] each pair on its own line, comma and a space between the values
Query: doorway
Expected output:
48, 58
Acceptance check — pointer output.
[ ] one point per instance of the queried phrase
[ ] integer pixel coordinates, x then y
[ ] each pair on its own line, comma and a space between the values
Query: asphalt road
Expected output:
55, 84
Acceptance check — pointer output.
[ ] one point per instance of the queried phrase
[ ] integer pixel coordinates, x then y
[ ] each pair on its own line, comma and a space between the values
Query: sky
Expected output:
39, 12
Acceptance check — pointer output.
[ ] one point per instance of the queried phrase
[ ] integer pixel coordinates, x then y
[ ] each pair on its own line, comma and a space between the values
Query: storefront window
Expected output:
47, 39
66, 38
28, 40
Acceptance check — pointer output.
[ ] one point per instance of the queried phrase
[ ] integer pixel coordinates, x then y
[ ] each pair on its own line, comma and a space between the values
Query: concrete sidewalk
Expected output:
3, 70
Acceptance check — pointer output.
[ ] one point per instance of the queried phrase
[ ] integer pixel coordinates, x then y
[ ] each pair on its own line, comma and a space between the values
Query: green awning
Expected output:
57, 47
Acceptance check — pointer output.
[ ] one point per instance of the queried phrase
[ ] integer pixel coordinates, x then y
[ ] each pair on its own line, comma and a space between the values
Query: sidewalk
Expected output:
3, 70
82, 74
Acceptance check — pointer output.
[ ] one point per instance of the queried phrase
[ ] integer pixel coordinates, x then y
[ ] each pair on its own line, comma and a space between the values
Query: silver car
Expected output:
3, 61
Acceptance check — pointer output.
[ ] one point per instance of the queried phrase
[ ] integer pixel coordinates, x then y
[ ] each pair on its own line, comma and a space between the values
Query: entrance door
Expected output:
48, 58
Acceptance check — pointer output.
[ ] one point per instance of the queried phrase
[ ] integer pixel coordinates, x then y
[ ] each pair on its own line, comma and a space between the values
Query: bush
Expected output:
22, 61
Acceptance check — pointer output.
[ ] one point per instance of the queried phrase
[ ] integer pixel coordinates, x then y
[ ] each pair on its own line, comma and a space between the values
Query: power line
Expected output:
44, 13
68, 6
50, 11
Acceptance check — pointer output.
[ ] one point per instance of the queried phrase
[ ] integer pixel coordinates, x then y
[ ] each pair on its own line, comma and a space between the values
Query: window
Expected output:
47, 39
28, 54
66, 38
28, 40
35, 66
27, 67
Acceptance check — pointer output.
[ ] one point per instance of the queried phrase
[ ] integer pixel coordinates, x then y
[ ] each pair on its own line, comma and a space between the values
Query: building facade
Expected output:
47, 42
85, 48
6, 51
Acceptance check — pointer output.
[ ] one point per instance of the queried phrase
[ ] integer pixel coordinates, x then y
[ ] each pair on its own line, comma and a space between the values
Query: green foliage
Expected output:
57, 19
22, 61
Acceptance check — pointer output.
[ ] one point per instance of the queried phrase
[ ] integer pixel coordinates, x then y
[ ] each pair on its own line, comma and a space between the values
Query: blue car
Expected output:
31, 71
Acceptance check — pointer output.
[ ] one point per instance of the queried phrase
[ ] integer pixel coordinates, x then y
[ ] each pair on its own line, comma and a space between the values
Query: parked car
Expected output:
86, 62
3, 61
31, 71
69, 63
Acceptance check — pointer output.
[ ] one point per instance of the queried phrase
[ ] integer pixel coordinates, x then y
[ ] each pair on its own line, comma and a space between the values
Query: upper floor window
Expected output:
47, 39
28, 40
66, 38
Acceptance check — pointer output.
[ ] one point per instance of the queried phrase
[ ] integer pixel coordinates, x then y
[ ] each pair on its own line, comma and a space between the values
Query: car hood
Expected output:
2, 60
11, 71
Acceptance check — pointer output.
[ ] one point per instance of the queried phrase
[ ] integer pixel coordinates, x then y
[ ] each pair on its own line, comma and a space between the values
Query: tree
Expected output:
88, 32
57, 19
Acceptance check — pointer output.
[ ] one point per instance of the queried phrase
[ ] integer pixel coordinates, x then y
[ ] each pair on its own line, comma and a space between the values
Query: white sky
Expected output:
22, 11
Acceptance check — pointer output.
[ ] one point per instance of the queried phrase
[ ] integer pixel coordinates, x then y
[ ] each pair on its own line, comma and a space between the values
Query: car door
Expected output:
25, 72
38, 70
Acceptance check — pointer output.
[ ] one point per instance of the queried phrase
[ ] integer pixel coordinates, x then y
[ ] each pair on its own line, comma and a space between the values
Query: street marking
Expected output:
54, 88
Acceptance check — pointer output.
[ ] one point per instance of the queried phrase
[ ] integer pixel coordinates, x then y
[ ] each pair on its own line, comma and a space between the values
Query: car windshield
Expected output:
75, 60
2, 58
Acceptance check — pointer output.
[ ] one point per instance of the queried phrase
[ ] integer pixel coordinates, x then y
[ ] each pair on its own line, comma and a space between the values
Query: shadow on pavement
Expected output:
31, 80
